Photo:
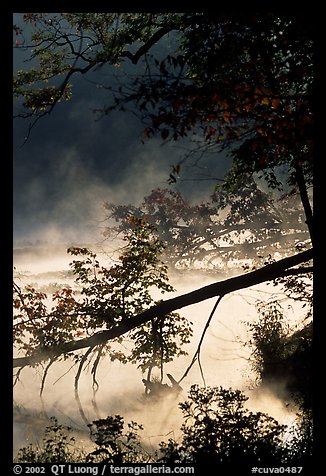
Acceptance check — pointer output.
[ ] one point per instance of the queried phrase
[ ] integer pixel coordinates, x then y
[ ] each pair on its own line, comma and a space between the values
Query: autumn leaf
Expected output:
276, 103
264, 101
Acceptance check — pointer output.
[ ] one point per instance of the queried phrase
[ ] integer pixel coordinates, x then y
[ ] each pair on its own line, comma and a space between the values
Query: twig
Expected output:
47, 368
201, 370
95, 382
197, 353
94, 368
80, 368
220, 288
65, 373
17, 379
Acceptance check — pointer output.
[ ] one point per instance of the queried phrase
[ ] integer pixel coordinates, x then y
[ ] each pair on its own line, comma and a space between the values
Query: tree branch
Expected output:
197, 353
134, 58
304, 198
267, 273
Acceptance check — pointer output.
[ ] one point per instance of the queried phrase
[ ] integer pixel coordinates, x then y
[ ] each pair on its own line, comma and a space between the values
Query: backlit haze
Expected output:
224, 358
69, 166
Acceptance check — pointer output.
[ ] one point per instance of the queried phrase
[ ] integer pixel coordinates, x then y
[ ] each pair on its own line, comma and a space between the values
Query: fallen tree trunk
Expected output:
267, 273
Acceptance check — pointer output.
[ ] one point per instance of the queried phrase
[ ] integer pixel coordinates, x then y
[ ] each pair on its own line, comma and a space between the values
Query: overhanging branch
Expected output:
134, 58
267, 273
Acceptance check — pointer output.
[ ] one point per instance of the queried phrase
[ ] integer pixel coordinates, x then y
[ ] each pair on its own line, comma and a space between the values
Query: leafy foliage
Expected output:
57, 447
217, 429
114, 445
300, 289
301, 447
239, 224
241, 80
243, 83
237, 82
281, 354
108, 297
269, 337
68, 43
247, 86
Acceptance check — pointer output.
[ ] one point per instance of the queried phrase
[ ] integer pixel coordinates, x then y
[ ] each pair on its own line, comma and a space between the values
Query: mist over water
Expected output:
224, 358
70, 165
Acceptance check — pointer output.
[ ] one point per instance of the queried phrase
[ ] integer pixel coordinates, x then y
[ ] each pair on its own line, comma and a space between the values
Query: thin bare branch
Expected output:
45, 373
197, 353
134, 58
80, 368
221, 288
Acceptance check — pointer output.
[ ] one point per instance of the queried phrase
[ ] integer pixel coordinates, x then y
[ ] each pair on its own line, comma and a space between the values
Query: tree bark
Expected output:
305, 199
221, 288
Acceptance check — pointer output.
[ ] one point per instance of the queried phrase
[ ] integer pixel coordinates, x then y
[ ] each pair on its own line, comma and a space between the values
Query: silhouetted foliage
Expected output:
243, 224
57, 447
281, 355
238, 81
217, 430
114, 445
108, 297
